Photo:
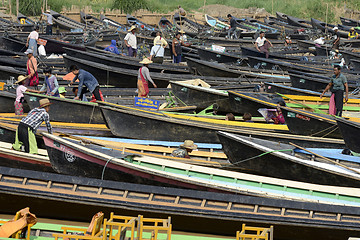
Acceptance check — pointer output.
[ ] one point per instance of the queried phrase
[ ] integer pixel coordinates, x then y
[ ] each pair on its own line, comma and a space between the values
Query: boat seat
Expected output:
253, 233
117, 227
94, 230
19, 225
153, 225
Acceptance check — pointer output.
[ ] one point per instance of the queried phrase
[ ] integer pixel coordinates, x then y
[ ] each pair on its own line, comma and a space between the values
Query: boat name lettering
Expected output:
56, 144
238, 99
291, 114
184, 89
33, 99
147, 103
303, 117
217, 48
302, 80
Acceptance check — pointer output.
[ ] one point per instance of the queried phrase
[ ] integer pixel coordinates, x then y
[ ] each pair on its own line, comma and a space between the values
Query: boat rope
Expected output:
260, 155
92, 114
103, 171
326, 129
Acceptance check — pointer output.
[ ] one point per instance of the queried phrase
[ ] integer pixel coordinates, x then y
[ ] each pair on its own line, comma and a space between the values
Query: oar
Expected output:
325, 158
315, 110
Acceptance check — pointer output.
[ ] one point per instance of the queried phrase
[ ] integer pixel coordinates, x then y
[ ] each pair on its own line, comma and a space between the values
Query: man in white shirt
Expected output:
157, 51
49, 21
130, 41
262, 44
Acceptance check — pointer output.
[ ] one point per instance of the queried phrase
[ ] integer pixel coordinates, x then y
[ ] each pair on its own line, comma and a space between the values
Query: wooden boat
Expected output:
14, 44
298, 22
91, 21
349, 22
111, 23
22, 160
310, 124
66, 23
165, 25
348, 55
131, 20
355, 64
173, 127
329, 27
81, 112
206, 68
216, 23
29, 23
221, 57
241, 102
253, 52
190, 27
310, 83
200, 97
7, 100
281, 15
279, 88
219, 212
277, 160
121, 77
350, 132
57, 46
91, 160
124, 62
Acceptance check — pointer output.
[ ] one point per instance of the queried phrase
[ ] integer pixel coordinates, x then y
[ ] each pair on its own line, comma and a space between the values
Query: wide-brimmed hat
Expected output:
28, 51
146, 61
20, 79
132, 28
47, 11
62, 90
181, 31
44, 102
189, 144
335, 28
352, 29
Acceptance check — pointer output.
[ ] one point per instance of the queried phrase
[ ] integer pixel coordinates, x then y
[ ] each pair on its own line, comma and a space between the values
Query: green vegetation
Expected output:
298, 8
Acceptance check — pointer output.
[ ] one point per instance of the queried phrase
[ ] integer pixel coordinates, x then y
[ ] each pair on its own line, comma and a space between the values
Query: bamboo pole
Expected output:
10, 7
17, 7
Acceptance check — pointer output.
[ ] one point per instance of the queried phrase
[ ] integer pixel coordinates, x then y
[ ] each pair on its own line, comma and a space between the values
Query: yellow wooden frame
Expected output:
156, 226
261, 233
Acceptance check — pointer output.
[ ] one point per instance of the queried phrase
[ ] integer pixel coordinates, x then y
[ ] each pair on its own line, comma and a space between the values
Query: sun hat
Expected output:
20, 79
28, 51
62, 90
181, 31
146, 61
47, 11
335, 28
44, 102
189, 144
132, 28
352, 29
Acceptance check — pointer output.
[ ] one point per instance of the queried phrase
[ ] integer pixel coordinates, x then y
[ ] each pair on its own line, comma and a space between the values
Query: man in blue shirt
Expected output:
112, 48
49, 22
87, 79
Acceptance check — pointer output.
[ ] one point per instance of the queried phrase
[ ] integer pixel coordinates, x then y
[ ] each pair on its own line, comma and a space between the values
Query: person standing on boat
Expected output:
183, 36
232, 29
87, 79
336, 43
176, 47
31, 67
31, 42
112, 48
19, 110
338, 83
183, 151
352, 34
158, 50
130, 41
262, 44
25, 134
49, 21
51, 85
144, 78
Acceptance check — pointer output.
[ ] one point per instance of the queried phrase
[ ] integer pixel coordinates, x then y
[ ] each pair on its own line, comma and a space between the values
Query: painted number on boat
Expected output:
184, 89
237, 99
69, 155
291, 114
2, 131
303, 117
302, 80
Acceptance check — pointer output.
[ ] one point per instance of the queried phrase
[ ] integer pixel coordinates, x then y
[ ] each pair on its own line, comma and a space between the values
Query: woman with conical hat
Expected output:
19, 110
144, 78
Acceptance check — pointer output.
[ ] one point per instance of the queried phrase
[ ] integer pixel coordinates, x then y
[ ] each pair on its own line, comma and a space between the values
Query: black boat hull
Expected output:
350, 131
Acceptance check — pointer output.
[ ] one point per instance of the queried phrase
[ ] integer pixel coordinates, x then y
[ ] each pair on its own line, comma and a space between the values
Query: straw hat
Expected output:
335, 28
146, 61
189, 144
181, 31
132, 28
352, 29
44, 102
20, 79
47, 11
62, 90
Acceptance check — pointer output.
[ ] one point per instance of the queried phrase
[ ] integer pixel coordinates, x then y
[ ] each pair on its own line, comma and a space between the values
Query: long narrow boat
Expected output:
311, 124
221, 57
131, 20
350, 131
112, 23
137, 123
165, 25
107, 164
91, 21
57, 46
29, 23
124, 62
276, 160
80, 111
216, 23
279, 88
190, 27
144, 124
219, 213
298, 22
66, 23
349, 22
317, 24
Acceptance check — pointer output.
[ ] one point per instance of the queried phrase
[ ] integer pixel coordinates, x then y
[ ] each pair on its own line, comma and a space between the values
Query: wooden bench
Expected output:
256, 233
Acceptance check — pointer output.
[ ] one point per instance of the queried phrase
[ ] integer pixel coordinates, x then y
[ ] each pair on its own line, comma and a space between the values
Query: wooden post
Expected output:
17, 7
10, 7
